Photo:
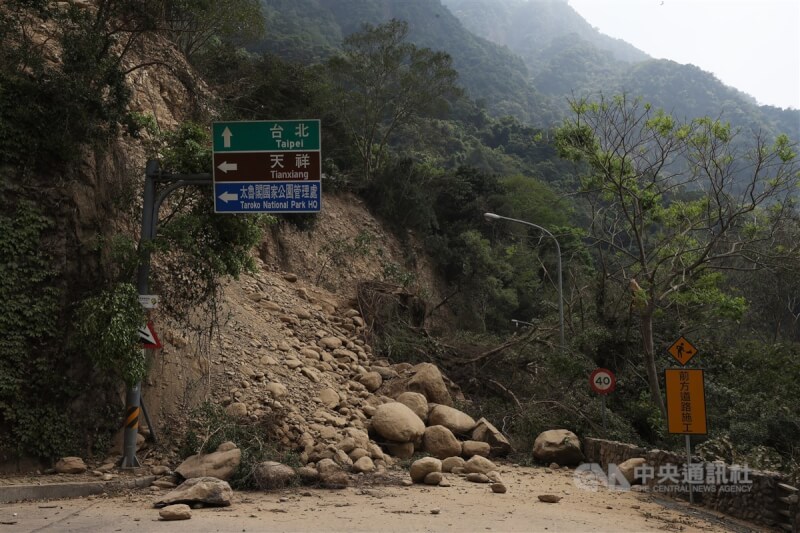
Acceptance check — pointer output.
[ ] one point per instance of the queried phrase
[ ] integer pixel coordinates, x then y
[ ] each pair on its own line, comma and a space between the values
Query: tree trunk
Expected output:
650, 361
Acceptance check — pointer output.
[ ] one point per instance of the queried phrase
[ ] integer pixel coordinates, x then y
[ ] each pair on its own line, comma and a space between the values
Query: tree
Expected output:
193, 24
675, 203
383, 83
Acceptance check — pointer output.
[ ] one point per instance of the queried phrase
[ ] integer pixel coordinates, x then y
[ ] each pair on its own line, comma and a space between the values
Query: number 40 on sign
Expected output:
602, 381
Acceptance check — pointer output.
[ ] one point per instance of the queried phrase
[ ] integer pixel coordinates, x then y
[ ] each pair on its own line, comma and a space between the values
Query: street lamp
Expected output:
491, 217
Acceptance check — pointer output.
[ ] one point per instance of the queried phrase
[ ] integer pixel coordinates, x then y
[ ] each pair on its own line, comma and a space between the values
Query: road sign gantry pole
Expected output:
150, 208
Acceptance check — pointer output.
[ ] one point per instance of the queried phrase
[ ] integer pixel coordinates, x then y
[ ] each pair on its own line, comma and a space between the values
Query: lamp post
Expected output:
491, 217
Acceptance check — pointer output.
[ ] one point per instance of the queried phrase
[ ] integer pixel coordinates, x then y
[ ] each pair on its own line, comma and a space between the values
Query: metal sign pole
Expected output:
604, 414
688, 463
150, 208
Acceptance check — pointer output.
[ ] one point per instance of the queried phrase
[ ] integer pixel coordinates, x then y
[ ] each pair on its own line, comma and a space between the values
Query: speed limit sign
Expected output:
602, 381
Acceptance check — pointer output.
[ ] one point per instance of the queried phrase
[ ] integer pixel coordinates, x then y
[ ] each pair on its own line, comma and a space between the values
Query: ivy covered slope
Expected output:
70, 310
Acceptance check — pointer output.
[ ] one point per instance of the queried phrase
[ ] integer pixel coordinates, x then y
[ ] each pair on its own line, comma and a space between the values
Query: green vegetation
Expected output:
108, 332
666, 226
210, 426
666, 212
71, 313
383, 84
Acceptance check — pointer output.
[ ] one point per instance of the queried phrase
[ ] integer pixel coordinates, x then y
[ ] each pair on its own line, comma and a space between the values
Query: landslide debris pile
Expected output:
294, 355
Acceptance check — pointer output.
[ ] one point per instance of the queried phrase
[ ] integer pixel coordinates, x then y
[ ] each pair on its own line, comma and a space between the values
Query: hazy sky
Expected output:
752, 45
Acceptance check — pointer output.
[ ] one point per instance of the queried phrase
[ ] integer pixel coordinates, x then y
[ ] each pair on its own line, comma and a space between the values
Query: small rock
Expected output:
331, 343
364, 464
476, 477
371, 380
498, 488
71, 465
433, 478
200, 491
291, 278
236, 410
179, 511
549, 498
435, 511
277, 390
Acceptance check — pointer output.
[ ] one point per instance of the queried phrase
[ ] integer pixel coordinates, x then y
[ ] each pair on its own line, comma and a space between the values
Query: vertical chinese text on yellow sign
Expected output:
686, 402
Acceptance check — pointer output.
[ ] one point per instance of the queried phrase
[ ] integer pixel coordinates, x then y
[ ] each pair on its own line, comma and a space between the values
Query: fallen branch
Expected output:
505, 390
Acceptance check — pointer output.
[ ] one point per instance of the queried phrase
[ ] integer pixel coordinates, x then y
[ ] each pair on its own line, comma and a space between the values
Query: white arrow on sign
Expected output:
225, 166
148, 337
228, 196
226, 136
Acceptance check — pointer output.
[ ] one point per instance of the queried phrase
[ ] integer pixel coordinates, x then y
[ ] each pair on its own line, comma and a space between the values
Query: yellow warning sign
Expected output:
682, 350
686, 401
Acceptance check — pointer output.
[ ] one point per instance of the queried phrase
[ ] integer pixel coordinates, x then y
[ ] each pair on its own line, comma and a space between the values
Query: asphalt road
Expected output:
462, 507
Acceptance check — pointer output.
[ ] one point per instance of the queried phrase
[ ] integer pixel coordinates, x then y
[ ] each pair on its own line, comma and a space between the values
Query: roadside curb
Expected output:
78, 489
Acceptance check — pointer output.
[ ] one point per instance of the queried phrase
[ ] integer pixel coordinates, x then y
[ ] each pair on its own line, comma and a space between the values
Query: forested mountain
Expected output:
312, 29
521, 58
565, 55
529, 28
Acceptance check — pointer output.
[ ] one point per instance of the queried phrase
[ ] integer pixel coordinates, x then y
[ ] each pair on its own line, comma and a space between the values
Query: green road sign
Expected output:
266, 135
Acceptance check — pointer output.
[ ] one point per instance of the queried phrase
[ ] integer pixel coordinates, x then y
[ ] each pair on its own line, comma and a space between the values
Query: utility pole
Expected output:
151, 205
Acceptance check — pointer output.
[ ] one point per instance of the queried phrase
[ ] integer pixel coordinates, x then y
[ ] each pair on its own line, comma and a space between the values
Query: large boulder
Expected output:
485, 432
423, 467
416, 402
456, 421
428, 380
452, 462
273, 475
396, 422
221, 464
440, 442
371, 380
559, 446
474, 447
401, 450
424, 379
480, 465
627, 469
199, 490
